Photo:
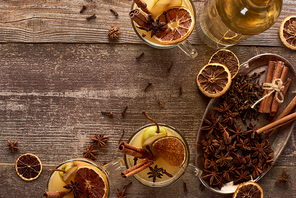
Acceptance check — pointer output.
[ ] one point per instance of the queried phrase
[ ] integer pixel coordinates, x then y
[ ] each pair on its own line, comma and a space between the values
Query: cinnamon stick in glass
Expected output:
141, 4
279, 66
137, 168
269, 75
133, 151
139, 17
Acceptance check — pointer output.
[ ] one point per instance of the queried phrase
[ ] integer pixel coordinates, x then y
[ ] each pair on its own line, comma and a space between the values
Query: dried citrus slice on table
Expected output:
214, 79
248, 189
227, 58
288, 32
28, 166
179, 27
171, 149
93, 182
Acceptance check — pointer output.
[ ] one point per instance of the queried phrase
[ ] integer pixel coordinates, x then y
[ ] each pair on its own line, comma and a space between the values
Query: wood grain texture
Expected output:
52, 95
51, 21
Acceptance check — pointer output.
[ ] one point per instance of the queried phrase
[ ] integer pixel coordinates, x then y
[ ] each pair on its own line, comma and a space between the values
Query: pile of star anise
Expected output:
232, 151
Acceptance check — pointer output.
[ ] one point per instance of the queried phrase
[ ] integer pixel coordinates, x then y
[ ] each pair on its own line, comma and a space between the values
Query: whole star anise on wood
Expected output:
284, 178
12, 146
121, 194
75, 188
89, 153
100, 140
113, 33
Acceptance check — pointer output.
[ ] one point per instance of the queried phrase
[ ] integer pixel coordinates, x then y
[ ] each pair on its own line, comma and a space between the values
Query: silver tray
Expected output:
278, 139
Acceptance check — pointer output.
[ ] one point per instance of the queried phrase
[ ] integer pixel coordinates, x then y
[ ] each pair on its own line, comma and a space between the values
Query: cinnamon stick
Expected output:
278, 123
141, 4
275, 104
285, 112
139, 17
269, 75
137, 168
57, 194
275, 108
133, 151
279, 65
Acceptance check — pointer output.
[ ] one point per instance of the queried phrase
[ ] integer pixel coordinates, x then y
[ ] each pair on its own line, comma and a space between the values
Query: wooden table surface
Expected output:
58, 71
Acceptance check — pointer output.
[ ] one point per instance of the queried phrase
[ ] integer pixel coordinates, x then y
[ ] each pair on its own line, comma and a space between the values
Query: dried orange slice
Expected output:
179, 27
171, 149
93, 182
213, 80
288, 32
248, 189
227, 58
28, 166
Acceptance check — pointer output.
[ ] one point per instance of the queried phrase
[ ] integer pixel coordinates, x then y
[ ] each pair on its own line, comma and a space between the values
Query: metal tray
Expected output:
278, 139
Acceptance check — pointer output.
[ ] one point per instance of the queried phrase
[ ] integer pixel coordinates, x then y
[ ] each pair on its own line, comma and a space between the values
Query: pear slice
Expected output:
70, 174
149, 141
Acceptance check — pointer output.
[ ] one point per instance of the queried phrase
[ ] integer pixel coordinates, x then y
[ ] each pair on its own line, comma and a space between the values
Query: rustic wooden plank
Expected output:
51, 21
52, 95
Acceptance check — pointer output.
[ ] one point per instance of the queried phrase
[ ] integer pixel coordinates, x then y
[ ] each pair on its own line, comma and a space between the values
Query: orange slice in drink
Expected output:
288, 32
214, 79
93, 182
171, 149
28, 166
180, 23
248, 189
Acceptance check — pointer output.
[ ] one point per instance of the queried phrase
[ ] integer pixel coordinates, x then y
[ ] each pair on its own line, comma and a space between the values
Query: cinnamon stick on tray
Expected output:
137, 168
133, 151
275, 104
269, 75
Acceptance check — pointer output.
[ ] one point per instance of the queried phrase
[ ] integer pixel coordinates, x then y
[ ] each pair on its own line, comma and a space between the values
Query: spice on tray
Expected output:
12, 146
100, 140
89, 153
284, 178
113, 33
232, 151
91, 17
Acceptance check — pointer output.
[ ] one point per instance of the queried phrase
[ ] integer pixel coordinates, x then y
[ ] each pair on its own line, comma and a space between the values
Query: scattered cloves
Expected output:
114, 12
121, 136
169, 69
149, 84
160, 104
107, 113
83, 8
185, 188
180, 91
91, 17
124, 111
140, 56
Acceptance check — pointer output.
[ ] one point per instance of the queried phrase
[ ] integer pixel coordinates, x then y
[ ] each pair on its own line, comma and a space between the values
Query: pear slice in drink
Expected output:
159, 6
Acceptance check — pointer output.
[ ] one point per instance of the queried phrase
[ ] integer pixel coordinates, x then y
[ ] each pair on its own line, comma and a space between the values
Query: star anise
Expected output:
257, 170
237, 132
223, 159
241, 176
225, 133
284, 178
210, 164
113, 33
212, 175
223, 108
230, 118
244, 144
75, 188
100, 139
121, 194
261, 150
210, 124
12, 146
155, 173
207, 146
155, 26
252, 130
89, 153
